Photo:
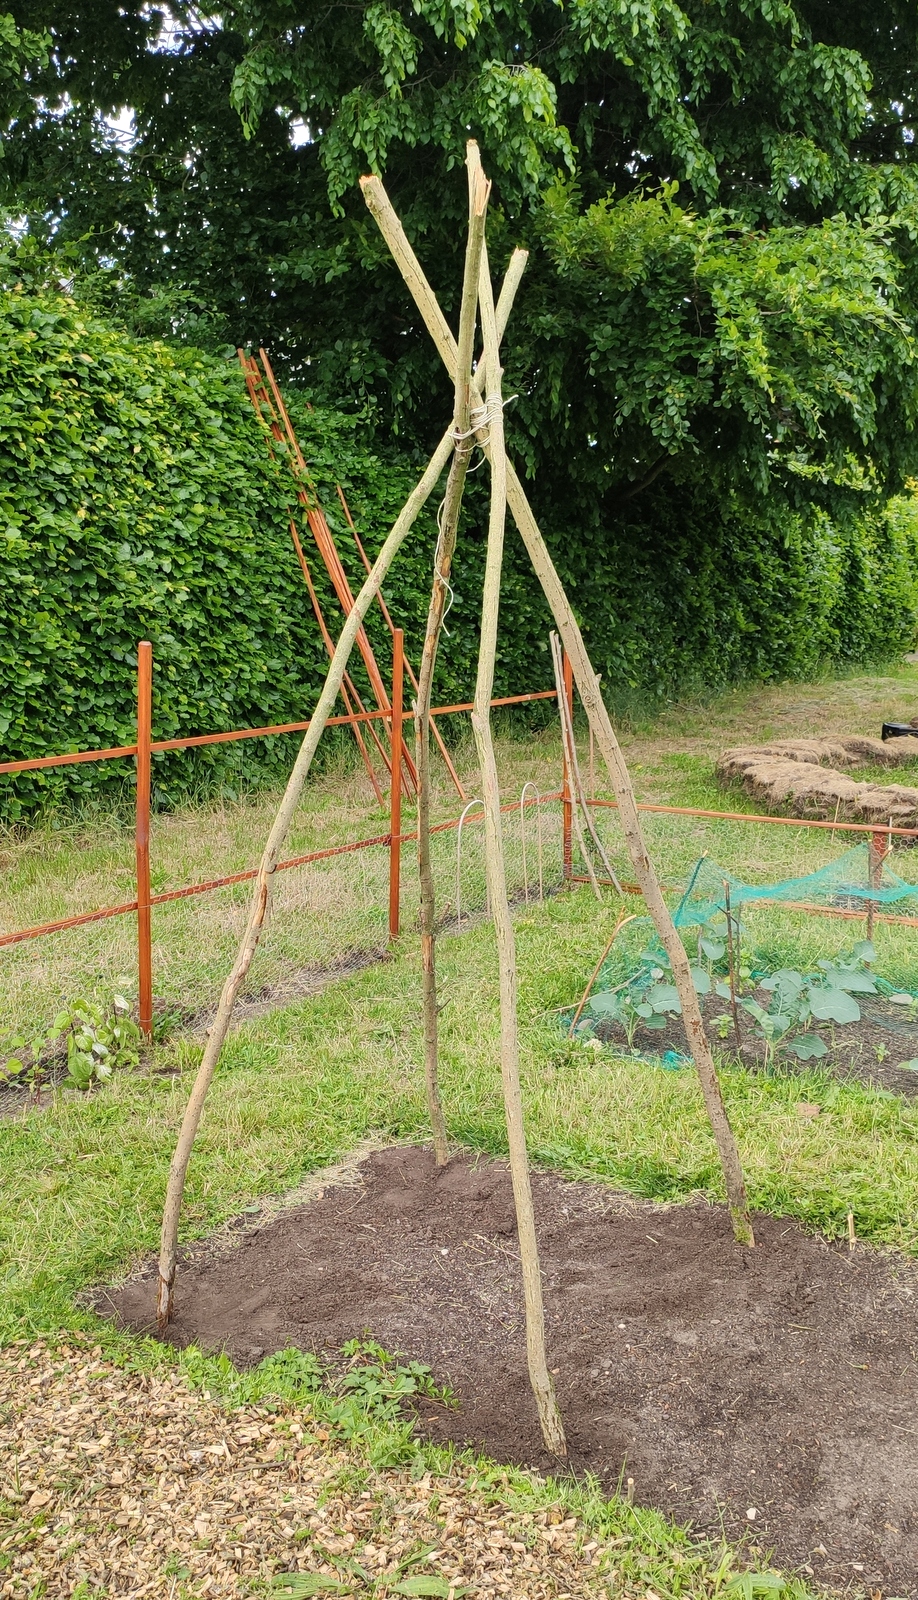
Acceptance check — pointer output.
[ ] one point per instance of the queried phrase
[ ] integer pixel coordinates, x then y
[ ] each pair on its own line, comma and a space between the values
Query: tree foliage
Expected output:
763, 114
138, 500
711, 353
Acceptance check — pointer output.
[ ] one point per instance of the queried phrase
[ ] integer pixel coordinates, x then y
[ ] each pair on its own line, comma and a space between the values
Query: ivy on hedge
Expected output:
138, 500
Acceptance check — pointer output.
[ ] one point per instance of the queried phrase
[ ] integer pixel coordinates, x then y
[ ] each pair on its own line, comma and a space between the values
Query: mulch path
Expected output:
773, 1390
123, 1484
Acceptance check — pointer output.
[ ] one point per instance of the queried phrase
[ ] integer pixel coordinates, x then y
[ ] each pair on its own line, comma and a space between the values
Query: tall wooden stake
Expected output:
599, 720
270, 857
539, 1374
731, 956
588, 688
446, 544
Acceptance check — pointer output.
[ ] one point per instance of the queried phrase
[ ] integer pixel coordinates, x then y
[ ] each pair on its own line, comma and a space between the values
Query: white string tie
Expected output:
485, 415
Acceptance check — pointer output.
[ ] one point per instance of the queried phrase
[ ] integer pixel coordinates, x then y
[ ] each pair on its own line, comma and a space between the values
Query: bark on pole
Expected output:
270, 857
446, 544
600, 722
539, 1374
591, 699
378, 203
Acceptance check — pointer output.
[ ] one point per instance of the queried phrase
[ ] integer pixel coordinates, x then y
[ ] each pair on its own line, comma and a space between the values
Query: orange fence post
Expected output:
142, 835
567, 808
877, 851
395, 790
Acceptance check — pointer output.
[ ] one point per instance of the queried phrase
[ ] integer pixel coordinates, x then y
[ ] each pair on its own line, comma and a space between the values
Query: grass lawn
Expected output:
82, 1179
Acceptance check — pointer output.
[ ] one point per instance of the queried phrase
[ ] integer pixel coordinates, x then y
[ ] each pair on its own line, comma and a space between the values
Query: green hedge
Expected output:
708, 588
137, 500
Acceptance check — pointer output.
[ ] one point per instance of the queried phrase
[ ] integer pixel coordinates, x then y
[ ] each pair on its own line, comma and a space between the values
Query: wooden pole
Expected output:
346, 682
269, 419
539, 1374
570, 792
395, 789
447, 761
581, 809
598, 717
616, 766
142, 837
733, 964
446, 544
567, 808
270, 856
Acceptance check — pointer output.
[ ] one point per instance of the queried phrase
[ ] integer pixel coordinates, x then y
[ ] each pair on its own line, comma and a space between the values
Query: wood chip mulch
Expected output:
123, 1483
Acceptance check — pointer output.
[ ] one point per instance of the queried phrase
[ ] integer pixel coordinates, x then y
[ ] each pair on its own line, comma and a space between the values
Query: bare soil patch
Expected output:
772, 1391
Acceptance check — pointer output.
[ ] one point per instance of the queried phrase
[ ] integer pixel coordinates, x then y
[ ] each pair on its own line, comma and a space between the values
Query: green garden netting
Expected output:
844, 883
624, 1005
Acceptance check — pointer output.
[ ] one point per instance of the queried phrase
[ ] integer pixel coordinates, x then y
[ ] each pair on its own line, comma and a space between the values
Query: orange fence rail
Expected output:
142, 752
145, 747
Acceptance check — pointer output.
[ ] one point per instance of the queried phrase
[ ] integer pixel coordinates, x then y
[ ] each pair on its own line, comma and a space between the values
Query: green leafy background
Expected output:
138, 500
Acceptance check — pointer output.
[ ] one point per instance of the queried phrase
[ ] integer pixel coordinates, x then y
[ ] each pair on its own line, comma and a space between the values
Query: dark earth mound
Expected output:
771, 1391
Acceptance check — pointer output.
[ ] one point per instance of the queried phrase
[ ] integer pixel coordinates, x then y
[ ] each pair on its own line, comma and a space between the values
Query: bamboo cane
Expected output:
539, 1375
558, 665
270, 856
623, 919
732, 965
598, 717
446, 544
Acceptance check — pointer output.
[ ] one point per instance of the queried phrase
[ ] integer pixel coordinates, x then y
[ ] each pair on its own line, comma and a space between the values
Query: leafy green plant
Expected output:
98, 1040
650, 997
799, 999
377, 1383
757, 1586
355, 1580
362, 1400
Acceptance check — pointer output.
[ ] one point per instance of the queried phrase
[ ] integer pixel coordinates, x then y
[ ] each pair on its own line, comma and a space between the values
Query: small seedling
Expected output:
98, 1040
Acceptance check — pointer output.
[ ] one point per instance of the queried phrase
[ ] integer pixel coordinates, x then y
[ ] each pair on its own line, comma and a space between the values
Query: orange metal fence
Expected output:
145, 747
